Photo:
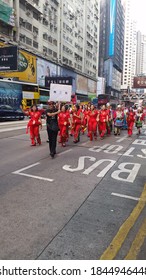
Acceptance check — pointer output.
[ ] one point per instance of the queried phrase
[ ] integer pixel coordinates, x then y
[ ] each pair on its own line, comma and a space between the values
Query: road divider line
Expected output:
20, 172
137, 243
25, 168
114, 247
121, 139
65, 152
125, 196
14, 128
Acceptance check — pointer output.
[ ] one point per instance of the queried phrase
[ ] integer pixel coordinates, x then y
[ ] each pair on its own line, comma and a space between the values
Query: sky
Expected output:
139, 14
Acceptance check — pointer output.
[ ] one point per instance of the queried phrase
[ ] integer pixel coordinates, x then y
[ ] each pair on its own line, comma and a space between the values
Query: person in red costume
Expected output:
76, 123
130, 121
84, 121
102, 121
33, 125
63, 121
92, 122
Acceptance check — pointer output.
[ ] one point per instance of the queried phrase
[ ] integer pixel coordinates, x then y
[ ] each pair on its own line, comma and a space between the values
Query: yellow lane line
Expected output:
137, 243
114, 247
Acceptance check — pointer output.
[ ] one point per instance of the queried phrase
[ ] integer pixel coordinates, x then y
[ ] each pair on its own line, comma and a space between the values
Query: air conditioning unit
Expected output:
28, 13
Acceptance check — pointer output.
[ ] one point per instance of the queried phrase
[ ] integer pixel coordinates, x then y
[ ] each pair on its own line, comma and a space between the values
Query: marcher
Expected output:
102, 121
118, 120
92, 122
76, 123
109, 125
130, 121
63, 121
34, 124
52, 126
139, 118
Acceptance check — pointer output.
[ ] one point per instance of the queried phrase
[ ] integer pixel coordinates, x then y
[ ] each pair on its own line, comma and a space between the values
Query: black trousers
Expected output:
52, 141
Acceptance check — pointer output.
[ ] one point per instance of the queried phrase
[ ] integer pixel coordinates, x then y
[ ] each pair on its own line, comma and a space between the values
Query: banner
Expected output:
60, 92
26, 68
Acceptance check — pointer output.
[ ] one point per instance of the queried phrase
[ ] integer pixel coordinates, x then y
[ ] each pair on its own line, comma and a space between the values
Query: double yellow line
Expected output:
114, 247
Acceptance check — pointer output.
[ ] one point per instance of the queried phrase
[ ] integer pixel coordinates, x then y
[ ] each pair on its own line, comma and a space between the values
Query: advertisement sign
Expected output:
92, 86
69, 73
140, 82
60, 92
82, 85
10, 94
9, 58
7, 13
112, 27
45, 70
57, 80
26, 68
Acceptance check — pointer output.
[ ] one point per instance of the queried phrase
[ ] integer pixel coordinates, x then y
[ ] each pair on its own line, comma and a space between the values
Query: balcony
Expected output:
34, 5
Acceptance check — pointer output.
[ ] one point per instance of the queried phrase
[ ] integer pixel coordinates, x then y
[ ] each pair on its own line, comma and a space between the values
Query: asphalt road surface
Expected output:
89, 202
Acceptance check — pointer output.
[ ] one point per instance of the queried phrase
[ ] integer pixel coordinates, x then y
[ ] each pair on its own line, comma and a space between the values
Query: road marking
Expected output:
14, 128
125, 196
19, 172
121, 139
137, 243
114, 247
84, 144
65, 152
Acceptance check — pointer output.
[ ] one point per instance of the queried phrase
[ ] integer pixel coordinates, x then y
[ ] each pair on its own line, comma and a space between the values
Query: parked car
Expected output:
7, 112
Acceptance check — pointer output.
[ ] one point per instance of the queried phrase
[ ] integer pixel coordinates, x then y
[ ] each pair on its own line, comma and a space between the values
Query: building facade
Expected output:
65, 32
129, 66
111, 48
141, 54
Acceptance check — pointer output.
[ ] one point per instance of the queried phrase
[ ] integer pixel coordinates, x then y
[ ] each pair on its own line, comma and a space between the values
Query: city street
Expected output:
89, 202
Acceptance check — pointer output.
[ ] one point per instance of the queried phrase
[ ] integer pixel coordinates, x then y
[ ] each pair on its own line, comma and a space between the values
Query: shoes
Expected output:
75, 141
52, 155
63, 145
47, 141
33, 144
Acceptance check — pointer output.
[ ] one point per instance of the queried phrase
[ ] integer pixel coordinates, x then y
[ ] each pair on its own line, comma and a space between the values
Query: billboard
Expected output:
82, 85
10, 94
112, 27
7, 13
92, 86
57, 80
26, 68
69, 73
45, 69
9, 58
140, 82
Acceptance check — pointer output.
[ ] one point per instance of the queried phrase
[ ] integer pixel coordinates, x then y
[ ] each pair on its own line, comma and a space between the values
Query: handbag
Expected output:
53, 126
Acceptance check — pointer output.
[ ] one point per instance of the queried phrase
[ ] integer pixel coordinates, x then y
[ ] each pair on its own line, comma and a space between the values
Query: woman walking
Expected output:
34, 124
118, 120
52, 126
76, 123
130, 121
63, 121
92, 122
139, 118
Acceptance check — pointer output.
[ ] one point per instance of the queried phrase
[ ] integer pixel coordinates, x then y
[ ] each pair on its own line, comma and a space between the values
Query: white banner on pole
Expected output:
59, 92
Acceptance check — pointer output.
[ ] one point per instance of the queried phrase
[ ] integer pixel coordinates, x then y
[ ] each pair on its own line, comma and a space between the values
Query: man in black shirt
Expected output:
52, 126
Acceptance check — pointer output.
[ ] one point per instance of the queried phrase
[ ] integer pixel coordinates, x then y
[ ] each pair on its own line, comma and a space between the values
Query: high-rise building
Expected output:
65, 32
111, 45
141, 54
129, 65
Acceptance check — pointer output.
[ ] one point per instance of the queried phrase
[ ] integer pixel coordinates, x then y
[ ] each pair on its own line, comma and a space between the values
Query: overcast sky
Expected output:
139, 13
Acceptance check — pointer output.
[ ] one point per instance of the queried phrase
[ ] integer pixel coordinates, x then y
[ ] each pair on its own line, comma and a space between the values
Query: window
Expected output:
35, 44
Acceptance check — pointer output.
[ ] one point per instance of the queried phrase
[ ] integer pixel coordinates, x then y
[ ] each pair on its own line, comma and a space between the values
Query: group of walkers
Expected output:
65, 121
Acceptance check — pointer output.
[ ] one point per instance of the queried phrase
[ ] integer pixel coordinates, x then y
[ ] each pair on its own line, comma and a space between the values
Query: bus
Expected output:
103, 99
15, 93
